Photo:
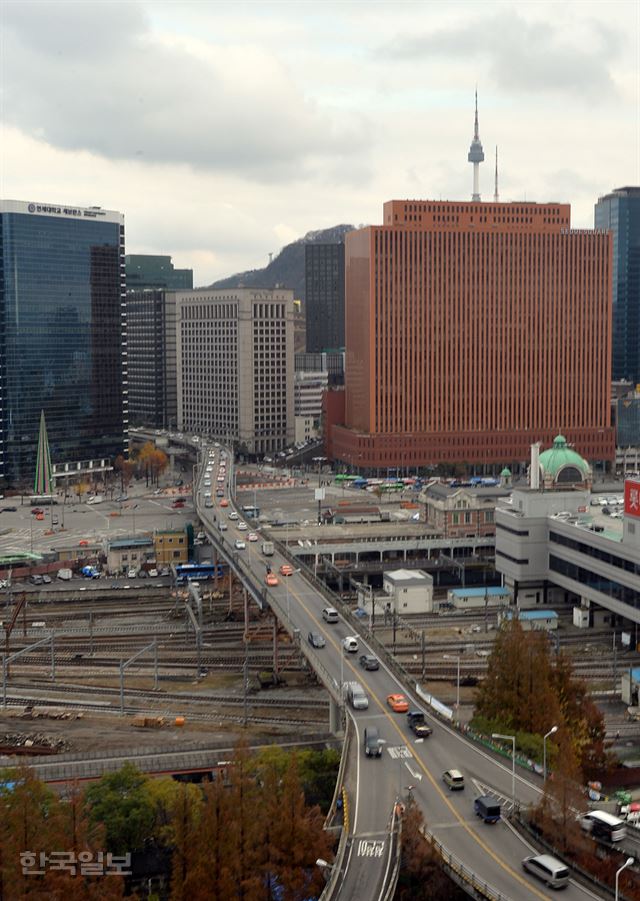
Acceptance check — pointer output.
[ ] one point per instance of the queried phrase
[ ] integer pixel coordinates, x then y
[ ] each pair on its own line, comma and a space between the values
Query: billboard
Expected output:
632, 498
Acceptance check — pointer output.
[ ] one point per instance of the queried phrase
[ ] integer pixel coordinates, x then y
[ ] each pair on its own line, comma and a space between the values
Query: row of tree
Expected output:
248, 834
150, 461
528, 690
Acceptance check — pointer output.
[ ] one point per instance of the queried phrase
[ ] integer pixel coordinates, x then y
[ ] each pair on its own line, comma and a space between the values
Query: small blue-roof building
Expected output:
533, 620
476, 598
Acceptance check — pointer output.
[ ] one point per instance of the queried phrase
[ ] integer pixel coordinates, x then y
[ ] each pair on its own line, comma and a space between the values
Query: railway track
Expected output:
265, 700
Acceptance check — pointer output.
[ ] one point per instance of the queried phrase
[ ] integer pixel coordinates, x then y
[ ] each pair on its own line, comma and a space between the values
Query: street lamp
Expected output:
551, 731
624, 866
512, 739
455, 657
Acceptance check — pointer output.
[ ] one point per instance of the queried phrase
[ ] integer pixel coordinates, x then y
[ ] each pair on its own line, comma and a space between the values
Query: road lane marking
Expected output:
485, 847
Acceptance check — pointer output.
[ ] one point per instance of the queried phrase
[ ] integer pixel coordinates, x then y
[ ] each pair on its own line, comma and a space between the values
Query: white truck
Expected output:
268, 548
65, 574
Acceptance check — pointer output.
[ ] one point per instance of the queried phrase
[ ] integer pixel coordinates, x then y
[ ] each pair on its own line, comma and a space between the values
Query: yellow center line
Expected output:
474, 835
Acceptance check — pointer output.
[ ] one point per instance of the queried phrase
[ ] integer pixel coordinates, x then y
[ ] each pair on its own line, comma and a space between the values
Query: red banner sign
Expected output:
632, 498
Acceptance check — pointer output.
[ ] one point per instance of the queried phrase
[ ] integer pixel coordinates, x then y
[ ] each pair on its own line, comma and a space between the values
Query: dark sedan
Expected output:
368, 661
316, 640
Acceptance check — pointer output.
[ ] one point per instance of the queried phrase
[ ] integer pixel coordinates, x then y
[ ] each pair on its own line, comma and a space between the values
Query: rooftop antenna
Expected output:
496, 197
271, 257
476, 156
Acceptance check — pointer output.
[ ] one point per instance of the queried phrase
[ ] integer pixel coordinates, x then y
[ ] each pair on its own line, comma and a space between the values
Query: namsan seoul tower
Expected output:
476, 156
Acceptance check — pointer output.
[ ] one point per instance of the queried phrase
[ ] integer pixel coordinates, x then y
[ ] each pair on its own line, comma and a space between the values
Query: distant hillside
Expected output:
287, 269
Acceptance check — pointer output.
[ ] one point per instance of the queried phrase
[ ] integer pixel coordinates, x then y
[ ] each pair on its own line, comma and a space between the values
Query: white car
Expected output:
234, 515
252, 536
132, 574
153, 573
242, 527
350, 644
239, 544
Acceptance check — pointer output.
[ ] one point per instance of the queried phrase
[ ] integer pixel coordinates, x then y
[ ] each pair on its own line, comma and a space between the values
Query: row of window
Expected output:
595, 581
595, 552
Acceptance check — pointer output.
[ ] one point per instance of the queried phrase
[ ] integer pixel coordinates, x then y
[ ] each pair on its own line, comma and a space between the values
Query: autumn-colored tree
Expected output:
210, 874
293, 836
527, 691
33, 819
158, 462
80, 488
421, 875
126, 468
185, 827
562, 798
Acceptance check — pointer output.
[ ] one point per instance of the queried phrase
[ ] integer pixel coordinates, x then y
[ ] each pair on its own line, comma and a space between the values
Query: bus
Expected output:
43, 500
343, 479
198, 572
603, 825
251, 512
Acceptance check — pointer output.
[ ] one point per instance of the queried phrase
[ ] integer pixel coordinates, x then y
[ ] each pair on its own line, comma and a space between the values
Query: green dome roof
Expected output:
506, 471
560, 457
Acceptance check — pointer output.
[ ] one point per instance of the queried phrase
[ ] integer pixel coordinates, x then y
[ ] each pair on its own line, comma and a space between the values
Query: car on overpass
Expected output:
368, 661
272, 580
316, 640
398, 703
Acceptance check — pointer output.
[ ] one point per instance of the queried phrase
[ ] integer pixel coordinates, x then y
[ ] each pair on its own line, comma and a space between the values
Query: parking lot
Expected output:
68, 523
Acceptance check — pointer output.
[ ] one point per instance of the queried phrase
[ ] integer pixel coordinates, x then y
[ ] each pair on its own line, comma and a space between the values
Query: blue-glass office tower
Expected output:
619, 212
62, 335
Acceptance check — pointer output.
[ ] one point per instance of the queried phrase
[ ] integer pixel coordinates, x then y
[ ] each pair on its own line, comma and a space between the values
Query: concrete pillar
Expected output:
335, 717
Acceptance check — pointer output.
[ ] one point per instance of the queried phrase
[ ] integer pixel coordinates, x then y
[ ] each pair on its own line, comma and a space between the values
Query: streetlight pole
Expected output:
624, 866
551, 731
512, 739
455, 657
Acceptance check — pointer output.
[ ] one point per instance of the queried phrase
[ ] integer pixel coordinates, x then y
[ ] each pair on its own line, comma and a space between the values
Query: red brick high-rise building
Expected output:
473, 330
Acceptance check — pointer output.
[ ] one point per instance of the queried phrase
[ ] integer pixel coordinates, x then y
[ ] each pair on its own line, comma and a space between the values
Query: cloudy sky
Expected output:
225, 130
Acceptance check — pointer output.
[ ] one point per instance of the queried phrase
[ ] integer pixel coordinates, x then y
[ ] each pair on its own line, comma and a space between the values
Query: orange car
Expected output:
286, 569
272, 580
398, 703
224, 502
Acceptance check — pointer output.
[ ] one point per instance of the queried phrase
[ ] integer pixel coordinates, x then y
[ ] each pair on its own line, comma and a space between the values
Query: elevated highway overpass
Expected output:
491, 854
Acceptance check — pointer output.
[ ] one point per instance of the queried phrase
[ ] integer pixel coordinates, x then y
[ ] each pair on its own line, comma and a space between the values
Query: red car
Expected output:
177, 504
272, 580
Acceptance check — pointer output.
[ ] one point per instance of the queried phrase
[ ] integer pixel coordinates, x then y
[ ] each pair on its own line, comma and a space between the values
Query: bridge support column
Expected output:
335, 717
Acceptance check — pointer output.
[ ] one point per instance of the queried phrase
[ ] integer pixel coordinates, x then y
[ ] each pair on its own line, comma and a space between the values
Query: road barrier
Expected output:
461, 874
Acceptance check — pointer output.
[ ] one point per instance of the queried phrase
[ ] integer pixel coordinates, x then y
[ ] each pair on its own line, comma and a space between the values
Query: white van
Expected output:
602, 825
551, 871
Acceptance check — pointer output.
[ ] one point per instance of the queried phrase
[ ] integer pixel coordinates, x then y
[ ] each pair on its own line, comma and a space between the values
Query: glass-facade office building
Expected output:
619, 213
62, 335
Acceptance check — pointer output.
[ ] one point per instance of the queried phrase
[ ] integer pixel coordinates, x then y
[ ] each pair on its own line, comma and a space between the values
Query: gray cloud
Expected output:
522, 55
93, 77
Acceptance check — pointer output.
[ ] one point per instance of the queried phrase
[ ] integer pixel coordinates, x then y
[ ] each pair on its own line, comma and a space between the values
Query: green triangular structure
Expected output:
43, 479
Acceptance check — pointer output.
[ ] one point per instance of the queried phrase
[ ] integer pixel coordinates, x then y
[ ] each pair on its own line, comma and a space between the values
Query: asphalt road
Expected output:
495, 852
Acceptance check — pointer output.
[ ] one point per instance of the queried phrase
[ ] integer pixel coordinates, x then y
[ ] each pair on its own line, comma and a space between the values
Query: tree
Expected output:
126, 468
122, 801
562, 796
33, 819
421, 875
80, 488
294, 836
158, 462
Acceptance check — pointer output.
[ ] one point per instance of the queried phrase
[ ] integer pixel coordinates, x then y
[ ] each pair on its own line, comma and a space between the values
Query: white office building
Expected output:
234, 366
308, 388
556, 543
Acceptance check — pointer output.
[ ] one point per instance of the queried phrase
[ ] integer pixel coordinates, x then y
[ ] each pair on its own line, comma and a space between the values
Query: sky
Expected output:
223, 131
